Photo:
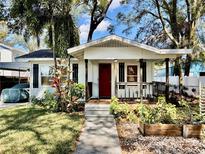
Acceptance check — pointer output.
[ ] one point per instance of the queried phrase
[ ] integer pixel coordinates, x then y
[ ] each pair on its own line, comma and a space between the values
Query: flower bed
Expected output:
163, 119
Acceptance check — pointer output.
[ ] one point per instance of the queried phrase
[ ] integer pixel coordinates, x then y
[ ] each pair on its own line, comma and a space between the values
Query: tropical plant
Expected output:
67, 91
32, 18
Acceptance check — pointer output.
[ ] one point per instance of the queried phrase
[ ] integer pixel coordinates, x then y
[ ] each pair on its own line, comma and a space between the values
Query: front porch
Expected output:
115, 66
128, 80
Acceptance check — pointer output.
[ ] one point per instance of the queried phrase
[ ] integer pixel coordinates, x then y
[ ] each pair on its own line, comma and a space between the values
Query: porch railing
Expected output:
151, 90
131, 90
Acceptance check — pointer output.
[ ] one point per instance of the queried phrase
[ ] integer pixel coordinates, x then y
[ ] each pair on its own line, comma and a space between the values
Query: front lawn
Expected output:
27, 129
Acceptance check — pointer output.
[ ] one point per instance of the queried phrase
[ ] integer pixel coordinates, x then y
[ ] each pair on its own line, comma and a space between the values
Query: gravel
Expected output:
133, 142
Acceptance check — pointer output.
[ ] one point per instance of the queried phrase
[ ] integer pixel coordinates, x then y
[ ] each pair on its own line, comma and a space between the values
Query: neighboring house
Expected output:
7, 56
111, 66
11, 72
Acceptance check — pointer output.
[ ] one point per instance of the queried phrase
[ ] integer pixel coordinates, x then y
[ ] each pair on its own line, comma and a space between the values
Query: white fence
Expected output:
190, 82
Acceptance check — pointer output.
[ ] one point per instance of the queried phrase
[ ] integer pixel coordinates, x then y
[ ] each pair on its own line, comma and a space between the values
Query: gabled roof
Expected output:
14, 50
123, 42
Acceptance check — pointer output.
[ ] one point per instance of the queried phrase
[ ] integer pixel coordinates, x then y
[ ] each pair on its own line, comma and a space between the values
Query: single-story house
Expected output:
110, 66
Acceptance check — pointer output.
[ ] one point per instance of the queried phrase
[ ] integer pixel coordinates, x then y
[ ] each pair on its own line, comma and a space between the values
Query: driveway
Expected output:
7, 105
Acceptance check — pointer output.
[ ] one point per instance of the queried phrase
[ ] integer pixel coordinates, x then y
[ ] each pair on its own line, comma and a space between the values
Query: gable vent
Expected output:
113, 43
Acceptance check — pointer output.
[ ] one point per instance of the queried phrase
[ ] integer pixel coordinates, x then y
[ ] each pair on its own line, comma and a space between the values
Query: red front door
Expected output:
105, 80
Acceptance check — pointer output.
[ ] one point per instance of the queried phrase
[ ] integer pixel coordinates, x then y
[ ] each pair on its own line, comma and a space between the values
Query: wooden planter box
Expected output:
193, 131
161, 129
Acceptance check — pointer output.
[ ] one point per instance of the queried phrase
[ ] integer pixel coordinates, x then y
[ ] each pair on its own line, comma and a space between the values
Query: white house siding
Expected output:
122, 53
38, 92
5, 56
8, 55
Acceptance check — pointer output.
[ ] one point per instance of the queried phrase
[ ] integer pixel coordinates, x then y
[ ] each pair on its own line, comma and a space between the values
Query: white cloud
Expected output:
84, 29
115, 4
103, 26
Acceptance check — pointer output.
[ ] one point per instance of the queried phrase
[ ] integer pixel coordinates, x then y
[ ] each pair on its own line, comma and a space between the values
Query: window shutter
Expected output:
121, 72
75, 73
35, 75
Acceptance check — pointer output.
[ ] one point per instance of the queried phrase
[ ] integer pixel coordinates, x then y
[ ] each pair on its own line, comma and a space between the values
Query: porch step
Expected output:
97, 110
102, 107
99, 116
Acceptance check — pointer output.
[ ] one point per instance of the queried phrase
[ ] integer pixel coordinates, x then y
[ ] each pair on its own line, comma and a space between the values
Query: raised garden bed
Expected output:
186, 131
194, 131
161, 129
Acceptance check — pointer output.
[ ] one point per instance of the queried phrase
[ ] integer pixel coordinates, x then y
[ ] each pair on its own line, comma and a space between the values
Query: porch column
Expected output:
115, 71
86, 80
167, 79
141, 86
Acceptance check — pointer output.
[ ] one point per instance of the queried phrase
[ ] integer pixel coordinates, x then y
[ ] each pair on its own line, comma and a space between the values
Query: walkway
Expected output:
100, 134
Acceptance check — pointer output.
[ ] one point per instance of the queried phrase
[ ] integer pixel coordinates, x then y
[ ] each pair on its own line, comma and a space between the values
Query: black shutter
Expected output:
75, 73
35, 75
144, 72
121, 72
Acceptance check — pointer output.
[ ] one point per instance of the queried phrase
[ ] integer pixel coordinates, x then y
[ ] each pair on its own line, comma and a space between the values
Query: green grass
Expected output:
27, 129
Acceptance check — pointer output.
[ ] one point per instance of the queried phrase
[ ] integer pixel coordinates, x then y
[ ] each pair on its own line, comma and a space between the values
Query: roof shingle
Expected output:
42, 53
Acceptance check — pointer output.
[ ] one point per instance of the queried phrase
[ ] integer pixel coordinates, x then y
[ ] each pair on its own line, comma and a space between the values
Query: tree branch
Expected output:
164, 25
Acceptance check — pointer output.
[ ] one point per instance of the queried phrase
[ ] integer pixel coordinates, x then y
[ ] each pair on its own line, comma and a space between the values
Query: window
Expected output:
121, 72
132, 73
46, 75
75, 73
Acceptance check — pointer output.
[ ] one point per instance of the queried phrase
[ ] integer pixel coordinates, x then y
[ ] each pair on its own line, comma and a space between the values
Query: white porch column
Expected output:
115, 74
141, 86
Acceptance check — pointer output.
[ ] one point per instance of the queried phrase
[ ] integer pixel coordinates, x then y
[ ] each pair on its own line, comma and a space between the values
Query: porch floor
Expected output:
108, 101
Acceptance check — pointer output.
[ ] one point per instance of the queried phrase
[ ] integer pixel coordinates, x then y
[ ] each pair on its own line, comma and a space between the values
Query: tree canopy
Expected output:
33, 17
165, 23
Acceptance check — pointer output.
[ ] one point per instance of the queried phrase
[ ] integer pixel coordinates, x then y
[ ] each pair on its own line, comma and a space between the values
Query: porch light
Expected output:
115, 60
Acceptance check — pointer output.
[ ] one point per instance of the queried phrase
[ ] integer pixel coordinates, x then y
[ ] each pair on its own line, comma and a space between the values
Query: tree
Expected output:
165, 23
98, 10
3, 17
31, 18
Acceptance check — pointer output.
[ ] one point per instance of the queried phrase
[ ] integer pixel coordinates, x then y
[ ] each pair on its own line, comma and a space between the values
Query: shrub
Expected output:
48, 101
77, 90
167, 112
163, 113
122, 110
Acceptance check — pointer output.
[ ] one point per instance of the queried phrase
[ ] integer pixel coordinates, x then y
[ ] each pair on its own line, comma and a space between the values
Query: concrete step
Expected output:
94, 117
89, 107
97, 112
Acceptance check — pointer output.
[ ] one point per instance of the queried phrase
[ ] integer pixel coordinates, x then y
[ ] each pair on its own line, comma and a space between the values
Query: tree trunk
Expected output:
90, 34
187, 65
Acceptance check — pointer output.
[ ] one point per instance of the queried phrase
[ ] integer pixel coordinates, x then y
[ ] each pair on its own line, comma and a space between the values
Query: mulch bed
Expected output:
132, 142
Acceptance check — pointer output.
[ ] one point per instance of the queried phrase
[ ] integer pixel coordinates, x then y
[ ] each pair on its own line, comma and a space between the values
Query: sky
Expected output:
101, 31
83, 23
